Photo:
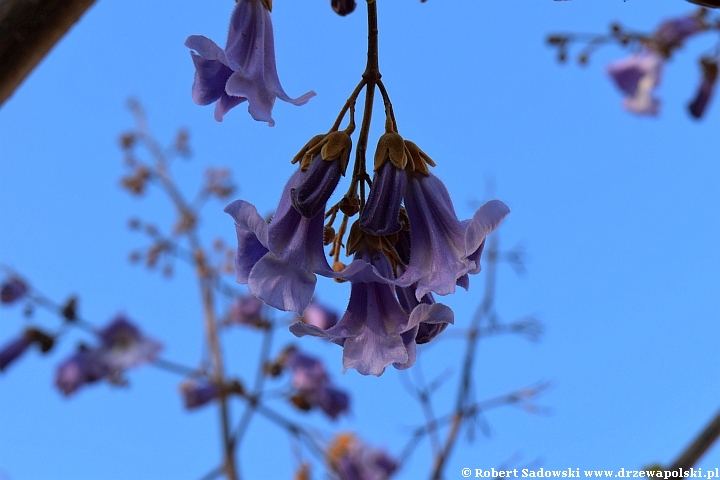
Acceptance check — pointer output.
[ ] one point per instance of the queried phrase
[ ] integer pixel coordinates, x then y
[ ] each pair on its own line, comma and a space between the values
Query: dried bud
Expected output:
133, 224
127, 141
272, 369
556, 40
301, 403
349, 206
218, 182
328, 235
181, 142
343, 7
69, 310
187, 222
136, 182
44, 341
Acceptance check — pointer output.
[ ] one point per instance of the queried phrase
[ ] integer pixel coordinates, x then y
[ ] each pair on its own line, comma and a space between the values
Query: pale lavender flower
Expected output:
245, 70
196, 394
13, 350
352, 459
247, 310
124, 346
443, 249
375, 331
86, 366
279, 262
312, 384
319, 315
12, 290
637, 76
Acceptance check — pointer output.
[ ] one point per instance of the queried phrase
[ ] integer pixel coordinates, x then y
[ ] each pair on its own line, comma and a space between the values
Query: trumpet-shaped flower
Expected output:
637, 76
279, 262
443, 250
375, 331
244, 70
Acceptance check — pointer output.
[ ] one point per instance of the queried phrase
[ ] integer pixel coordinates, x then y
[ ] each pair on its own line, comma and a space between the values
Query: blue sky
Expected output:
620, 217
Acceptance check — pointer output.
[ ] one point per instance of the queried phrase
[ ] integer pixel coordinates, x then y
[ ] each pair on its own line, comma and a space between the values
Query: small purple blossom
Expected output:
672, 33
14, 349
247, 310
312, 385
196, 394
352, 459
319, 315
707, 87
637, 76
124, 346
12, 290
245, 70
86, 366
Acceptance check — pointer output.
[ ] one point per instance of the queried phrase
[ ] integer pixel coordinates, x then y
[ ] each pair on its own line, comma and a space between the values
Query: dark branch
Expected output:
29, 29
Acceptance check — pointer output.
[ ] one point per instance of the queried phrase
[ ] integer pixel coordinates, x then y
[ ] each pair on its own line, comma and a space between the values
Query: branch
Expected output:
29, 29
699, 446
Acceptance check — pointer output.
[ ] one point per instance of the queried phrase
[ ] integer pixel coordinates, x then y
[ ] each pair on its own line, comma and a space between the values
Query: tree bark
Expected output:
28, 30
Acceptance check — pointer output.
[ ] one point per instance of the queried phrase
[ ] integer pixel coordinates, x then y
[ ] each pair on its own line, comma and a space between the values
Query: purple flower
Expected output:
443, 250
245, 70
196, 394
705, 91
380, 215
13, 350
671, 33
319, 315
247, 310
86, 366
124, 346
637, 76
375, 331
312, 384
352, 459
12, 290
279, 262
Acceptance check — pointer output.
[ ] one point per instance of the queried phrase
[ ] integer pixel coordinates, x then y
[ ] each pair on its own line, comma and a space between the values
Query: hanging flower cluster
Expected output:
638, 75
406, 245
